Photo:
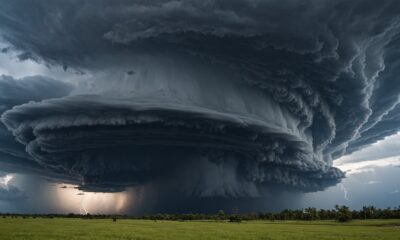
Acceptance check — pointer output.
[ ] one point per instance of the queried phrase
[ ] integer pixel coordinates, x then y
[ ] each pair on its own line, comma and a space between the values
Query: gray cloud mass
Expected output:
11, 193
15, 92
249, 94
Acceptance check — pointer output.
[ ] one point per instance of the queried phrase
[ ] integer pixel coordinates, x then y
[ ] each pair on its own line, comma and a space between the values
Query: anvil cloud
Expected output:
244, 94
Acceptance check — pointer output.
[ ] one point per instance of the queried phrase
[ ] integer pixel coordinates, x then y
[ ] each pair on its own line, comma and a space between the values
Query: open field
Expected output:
63, 228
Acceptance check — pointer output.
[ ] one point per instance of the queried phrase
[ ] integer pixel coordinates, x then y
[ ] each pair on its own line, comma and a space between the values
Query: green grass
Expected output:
62, 228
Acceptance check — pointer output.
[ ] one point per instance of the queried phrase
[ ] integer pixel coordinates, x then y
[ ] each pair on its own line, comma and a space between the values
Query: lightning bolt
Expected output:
344, 189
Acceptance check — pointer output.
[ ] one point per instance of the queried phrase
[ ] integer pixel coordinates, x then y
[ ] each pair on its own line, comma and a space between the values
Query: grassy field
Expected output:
61, 228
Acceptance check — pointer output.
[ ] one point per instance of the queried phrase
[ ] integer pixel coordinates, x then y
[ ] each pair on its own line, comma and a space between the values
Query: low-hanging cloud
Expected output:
129, 142
15, 92
245, 94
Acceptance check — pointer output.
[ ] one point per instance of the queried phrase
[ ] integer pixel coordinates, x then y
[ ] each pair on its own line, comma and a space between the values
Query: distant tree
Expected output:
235, 217
272, 217
286, 214
323, 214
310, 214
114, 219
343, 213
221, 215
369, 212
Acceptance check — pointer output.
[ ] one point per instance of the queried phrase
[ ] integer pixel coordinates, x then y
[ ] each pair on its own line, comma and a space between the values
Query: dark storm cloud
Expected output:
248, 93
15, 92
34, 88
109, 141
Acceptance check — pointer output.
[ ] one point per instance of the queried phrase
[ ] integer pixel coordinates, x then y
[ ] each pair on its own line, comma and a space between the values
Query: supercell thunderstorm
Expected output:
228, 97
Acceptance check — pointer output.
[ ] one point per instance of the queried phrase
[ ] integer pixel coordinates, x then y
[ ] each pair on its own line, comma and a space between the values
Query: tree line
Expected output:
340, 213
